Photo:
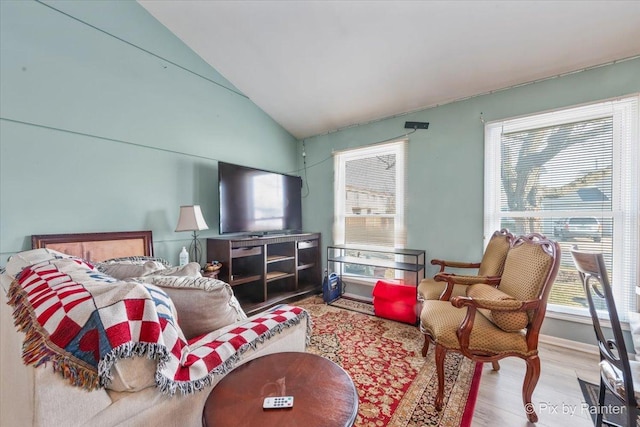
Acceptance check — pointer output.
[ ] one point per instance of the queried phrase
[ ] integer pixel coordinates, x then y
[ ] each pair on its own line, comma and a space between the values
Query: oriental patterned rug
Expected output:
353, 305
396, 385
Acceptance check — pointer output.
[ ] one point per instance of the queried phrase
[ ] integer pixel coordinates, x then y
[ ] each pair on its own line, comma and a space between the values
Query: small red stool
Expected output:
395, 301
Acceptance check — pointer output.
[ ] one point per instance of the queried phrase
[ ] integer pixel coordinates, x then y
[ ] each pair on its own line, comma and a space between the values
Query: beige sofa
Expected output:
41, 397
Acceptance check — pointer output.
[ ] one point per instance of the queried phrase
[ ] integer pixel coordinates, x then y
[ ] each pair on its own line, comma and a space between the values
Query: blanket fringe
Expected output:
127, 351
37, 351
35, 348
170, 387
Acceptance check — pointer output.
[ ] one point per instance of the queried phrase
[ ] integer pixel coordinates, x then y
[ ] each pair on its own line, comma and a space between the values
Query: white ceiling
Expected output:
318, 66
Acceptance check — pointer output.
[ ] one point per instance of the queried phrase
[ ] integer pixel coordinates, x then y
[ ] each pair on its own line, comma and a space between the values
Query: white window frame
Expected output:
397, 148
626, 180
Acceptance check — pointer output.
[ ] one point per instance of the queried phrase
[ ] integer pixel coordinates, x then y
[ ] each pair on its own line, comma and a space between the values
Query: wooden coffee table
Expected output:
324, 394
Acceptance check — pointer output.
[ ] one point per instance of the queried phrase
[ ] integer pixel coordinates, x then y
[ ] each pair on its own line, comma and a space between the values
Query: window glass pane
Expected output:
369, 193
370, 196
571, 175
566, 167
371, 185
369, 229
584, 232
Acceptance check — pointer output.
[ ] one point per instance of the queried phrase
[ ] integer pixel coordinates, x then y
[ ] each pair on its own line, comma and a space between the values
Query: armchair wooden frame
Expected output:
535, 310
452, 279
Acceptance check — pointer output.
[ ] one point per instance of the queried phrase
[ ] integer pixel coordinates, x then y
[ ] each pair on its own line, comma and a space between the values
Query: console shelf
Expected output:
365, 266
269, 270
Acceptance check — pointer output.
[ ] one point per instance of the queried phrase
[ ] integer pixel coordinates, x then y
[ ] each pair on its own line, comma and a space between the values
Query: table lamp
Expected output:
191, 219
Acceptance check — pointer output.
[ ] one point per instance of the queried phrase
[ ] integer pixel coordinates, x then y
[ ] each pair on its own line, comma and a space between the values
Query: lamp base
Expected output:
195, 250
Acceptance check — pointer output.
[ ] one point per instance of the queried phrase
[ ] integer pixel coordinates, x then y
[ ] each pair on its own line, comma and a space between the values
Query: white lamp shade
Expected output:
191, 219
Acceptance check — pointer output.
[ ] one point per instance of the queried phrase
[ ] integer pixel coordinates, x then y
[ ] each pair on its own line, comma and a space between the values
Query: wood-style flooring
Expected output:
557, 398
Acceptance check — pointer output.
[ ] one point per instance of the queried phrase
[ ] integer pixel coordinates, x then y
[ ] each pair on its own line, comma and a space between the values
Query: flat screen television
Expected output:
257, 201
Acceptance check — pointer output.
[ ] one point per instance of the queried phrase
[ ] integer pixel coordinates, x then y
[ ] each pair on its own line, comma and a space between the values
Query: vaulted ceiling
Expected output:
319, 66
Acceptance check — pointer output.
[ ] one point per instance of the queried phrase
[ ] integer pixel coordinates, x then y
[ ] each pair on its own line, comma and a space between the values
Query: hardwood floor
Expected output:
555, 397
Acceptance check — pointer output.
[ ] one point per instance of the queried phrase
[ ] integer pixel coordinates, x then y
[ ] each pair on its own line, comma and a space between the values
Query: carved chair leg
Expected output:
441, 353
530, 382
495, 365
425, 346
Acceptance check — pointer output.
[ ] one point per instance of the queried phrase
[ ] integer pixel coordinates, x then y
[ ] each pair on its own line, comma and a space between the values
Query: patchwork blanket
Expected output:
84, 321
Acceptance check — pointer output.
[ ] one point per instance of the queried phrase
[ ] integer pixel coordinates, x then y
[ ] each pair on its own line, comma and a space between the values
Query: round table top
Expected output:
324, 394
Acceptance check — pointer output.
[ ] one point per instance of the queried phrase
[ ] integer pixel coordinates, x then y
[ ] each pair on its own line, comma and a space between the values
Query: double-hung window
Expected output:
369, 206
370, 196
572, 175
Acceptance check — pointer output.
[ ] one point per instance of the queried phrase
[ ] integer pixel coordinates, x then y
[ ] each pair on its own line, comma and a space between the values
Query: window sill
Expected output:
586, 320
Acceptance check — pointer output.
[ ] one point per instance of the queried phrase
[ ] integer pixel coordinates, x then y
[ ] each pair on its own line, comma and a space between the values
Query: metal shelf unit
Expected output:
365, 265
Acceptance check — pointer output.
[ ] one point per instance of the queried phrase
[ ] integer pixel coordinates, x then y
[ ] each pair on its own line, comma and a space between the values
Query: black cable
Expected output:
329, 157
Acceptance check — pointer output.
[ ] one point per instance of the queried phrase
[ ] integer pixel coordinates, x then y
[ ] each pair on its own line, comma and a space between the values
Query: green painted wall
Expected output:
109, 122
446, 163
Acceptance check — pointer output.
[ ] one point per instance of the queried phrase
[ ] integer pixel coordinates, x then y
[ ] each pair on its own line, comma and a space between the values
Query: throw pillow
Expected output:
634, 326
124, 270
191, 269
133, 374
508, 321
203, 304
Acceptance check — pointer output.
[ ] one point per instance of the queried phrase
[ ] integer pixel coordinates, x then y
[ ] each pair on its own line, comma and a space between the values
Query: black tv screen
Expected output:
257, 201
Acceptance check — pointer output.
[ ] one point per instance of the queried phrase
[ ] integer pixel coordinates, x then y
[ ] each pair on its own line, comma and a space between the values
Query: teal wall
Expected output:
109, 122
446, 164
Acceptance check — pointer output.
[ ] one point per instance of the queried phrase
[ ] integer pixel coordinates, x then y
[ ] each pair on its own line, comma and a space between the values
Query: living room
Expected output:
110, 122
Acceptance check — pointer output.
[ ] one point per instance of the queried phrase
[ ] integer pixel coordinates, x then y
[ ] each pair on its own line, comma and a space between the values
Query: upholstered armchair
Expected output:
491, 323
445, 285
618, 374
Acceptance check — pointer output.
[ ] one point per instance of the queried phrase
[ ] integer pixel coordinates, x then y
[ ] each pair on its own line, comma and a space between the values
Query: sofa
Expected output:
129, 386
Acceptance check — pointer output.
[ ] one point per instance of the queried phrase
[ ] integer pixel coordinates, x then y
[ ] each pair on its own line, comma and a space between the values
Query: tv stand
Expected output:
269, 269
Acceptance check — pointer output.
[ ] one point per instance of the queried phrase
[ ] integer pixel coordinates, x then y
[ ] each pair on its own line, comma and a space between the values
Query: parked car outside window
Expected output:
585, 226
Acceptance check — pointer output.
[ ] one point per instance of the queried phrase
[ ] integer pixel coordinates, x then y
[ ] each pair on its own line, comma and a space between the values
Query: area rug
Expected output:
396, 385
353, 305
613, 412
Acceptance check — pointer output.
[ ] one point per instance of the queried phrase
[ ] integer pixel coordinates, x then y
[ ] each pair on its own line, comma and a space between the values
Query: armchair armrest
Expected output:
506, 312
454, 264
460, 279
490, 304
454, 279
488, 297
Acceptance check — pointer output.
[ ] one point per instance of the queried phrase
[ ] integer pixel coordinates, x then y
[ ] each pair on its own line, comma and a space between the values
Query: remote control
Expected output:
279, 402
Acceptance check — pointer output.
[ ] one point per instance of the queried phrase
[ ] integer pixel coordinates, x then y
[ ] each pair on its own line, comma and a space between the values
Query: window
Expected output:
369, 196
572, 175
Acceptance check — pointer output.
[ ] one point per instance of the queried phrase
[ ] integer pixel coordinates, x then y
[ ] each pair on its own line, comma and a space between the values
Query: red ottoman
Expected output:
395, 301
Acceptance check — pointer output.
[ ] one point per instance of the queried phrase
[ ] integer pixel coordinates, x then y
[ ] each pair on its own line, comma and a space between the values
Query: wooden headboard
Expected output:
97, 247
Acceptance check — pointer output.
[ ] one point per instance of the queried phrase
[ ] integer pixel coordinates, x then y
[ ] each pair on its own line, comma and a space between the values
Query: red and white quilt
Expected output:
83, 321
